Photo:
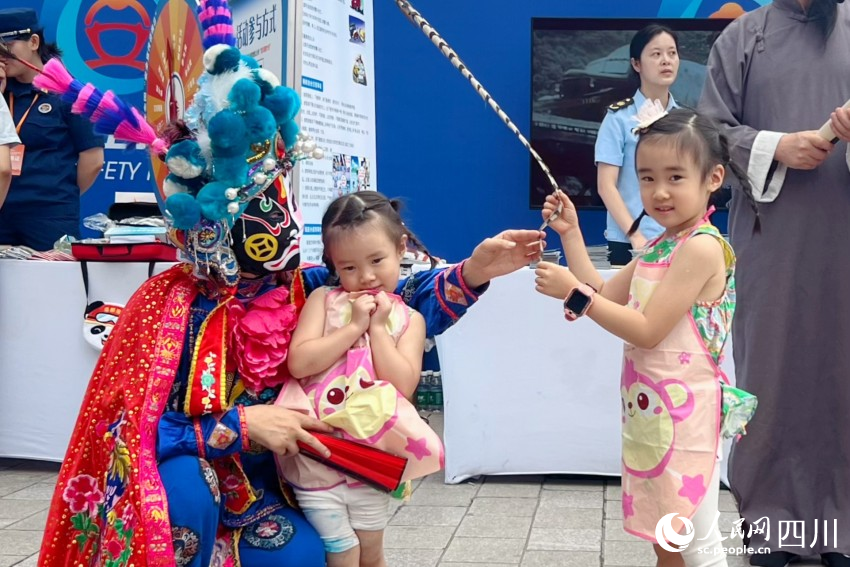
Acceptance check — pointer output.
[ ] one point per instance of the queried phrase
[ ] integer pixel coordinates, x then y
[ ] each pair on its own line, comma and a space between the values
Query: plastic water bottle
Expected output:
423, 391
437, 390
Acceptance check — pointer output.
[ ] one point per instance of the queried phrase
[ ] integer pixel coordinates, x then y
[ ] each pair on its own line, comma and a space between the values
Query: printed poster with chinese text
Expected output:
337, 85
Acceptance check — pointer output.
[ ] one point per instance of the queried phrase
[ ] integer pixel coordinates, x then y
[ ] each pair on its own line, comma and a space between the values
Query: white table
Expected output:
525, 392
45, 363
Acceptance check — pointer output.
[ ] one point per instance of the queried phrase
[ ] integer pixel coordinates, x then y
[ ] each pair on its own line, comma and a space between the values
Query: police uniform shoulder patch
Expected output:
621, 104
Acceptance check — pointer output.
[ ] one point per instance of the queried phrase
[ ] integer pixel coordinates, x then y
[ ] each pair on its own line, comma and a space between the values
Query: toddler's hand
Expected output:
361, 311
567, 219
554, 280
382, 312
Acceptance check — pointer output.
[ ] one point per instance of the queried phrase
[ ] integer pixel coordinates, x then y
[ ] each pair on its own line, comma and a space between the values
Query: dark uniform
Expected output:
44, 201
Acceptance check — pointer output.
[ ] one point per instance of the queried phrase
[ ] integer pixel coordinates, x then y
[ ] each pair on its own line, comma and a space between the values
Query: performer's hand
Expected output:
554, 280
802, 150
279, 429
382, 312
361, 311
502, 254
567, 219
841, 123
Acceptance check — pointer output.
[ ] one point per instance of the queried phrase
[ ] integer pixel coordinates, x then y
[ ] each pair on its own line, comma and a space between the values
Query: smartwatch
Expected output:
578, 302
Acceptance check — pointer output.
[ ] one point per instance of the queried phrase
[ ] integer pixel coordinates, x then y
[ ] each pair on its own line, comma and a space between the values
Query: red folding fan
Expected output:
377, 468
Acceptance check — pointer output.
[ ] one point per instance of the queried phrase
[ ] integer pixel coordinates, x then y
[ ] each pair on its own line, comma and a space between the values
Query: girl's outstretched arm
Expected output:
399, 364
697, 273
310, 351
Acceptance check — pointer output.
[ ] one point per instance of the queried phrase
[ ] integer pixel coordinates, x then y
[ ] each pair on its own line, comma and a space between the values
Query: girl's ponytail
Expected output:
743, 178
635, 225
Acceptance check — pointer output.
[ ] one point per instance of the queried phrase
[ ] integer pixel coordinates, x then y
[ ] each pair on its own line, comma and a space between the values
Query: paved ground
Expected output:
525, 521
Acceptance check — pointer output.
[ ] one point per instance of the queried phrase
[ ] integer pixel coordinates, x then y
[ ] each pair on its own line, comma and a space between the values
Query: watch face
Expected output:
577, 302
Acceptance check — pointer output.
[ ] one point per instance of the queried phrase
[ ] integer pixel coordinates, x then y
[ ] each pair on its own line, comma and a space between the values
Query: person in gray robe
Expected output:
775, 75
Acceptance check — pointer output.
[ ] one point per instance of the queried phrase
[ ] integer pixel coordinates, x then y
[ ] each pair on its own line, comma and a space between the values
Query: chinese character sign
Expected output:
260, 29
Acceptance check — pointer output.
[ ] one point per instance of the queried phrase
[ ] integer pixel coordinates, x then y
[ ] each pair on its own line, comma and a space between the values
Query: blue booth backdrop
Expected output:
461, 172
463, 175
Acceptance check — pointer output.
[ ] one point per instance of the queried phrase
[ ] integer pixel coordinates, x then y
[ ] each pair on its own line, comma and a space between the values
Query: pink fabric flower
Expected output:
82, 494
261, 331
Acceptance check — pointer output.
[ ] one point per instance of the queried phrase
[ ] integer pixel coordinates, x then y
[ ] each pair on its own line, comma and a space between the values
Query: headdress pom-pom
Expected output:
184, 210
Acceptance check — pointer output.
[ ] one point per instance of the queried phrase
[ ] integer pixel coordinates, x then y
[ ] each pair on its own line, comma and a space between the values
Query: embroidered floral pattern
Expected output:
208, 381
661, 251
86, 502
223, 553
117, 548
84, 499
211, 479
83, 495
271, 533
186, 544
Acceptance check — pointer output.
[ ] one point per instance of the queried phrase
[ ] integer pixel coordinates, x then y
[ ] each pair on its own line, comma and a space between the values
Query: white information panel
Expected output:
337, 85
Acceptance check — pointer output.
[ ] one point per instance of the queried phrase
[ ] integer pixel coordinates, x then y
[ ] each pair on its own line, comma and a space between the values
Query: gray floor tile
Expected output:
417, 537
567, 518
515, 507
35, 522
17, 542
20, 509
481, 550
614, 510
560, 559
614, 531
460, 495
453, 564
9, 560
13, 483
568, 483
31, 561
727, 502
428, 516
738, 561
413, 557
39, 491
489, 526
545, 539
613, 491
633, 554
506, 489
571, 499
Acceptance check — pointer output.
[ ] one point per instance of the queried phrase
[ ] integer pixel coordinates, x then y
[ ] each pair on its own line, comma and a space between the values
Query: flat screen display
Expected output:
578, 68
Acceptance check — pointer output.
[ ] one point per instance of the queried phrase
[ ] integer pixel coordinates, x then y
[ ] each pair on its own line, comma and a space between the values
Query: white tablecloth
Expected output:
526, 392
45, 363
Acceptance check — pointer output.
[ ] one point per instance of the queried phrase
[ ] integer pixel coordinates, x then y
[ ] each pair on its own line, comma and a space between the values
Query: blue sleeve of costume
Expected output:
209, 436
440, 295
314, 277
